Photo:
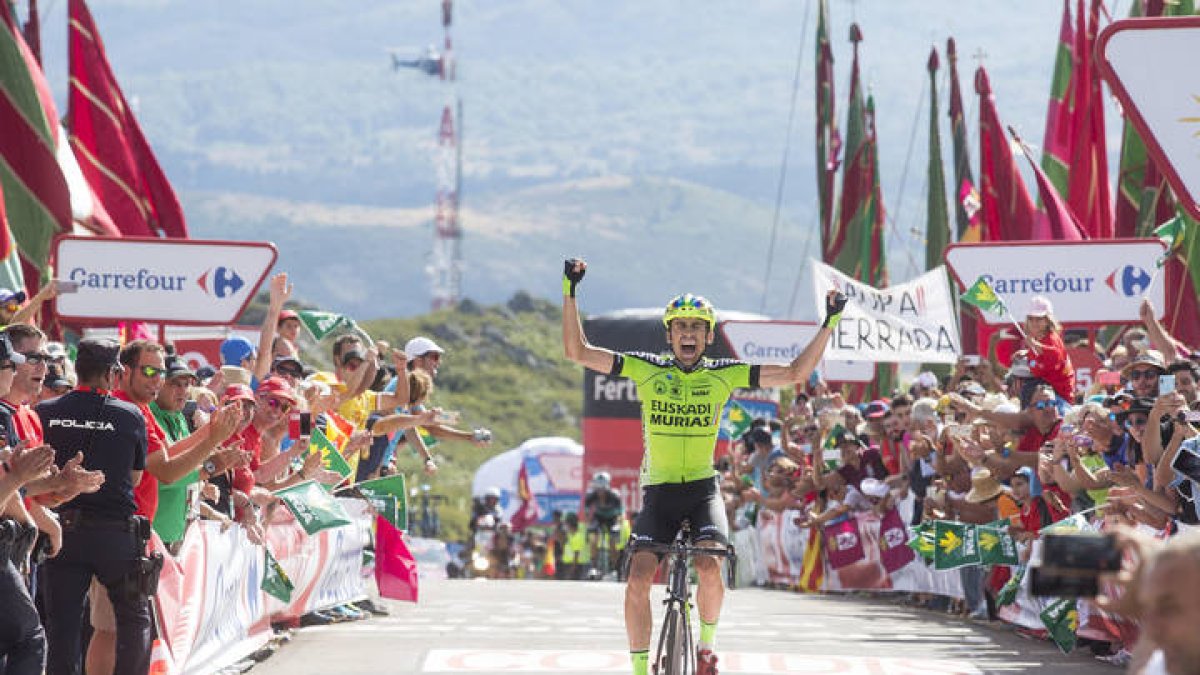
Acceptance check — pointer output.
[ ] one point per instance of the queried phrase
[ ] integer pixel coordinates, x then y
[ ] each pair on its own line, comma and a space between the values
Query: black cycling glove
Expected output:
833, 309
571, 276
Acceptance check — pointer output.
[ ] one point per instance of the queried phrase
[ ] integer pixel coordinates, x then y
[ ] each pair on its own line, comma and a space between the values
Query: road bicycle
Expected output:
676, 653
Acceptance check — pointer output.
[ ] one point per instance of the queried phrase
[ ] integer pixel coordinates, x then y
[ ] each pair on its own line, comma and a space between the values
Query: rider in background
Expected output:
603, 508
682, 395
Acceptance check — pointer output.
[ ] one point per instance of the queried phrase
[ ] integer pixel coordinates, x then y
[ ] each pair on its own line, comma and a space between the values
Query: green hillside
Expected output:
503, 370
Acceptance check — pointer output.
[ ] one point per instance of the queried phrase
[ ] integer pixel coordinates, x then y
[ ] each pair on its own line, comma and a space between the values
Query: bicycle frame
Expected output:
676, 652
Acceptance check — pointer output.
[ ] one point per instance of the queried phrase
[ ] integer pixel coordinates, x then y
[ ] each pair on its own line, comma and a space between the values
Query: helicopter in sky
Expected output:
431, 61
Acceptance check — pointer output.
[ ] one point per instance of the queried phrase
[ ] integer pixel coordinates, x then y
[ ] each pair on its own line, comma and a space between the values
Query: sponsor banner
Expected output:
913, 322
185, 281
1088, 282
212, 609
778, 342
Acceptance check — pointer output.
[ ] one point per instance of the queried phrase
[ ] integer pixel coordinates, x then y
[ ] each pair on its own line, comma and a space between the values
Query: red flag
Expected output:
113, 153
395, 567
894, 551
1008, 211
843, 543
1058, 223
527, 514
1088, 191
1059, 142
966, 220
828, 142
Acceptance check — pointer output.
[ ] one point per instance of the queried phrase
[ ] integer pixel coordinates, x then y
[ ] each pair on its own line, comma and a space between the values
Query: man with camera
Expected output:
101, 536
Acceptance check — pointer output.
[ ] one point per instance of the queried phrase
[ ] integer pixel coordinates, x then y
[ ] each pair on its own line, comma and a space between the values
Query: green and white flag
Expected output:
982, 295
923, 541
390, 498
1170, 233
996, 545
330, 457
275, 581
1061, 619
1071, 525
321, 324
1008, 594
957, 545
314, 508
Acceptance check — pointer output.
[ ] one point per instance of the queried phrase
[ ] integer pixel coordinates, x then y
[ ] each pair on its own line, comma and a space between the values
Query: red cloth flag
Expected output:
1059, 142
527, 514
894, 551
843, 543
828, 143
113, 153
395, 567
966, 220
1088, 191
1058, 223
1008, 211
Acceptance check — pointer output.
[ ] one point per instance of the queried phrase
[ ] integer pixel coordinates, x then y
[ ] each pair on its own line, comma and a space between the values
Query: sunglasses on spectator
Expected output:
1142, 374
34, 358
283, 406
1131, 422
152, 371
1042, 405
290, 372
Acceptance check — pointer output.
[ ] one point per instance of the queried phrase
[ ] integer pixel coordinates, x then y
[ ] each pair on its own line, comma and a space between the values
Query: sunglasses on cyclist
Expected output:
693, 302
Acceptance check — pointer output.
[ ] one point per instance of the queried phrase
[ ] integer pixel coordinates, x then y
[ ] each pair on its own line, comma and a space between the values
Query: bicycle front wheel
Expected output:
672, 643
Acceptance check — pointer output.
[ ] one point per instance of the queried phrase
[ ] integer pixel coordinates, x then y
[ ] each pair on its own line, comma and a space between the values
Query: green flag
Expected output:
996, 545
937, 219
275, 581
923, 541
1008, 594
314, 508
1170, 234
330, 457
1061, 619
829, 449
982, 295
1074, 524
736, 419
956, 545
390, 498
321, 324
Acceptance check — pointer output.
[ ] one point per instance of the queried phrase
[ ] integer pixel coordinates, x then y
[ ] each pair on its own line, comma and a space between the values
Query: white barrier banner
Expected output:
912, 322
778, 342
1088, 282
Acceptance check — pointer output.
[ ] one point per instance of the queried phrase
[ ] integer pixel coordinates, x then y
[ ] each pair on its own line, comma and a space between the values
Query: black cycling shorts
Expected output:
600, 524
664, 506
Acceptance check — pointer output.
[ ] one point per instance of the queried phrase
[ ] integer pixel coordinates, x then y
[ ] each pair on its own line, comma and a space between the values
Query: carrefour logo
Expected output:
1129, 281
141, 280
221, 282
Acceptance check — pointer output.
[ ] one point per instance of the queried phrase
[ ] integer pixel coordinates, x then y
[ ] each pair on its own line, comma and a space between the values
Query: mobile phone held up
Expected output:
1187, 463
1072, 563
1166, 385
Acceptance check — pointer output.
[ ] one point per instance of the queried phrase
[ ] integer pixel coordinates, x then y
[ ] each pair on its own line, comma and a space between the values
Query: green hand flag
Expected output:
996, 545
955, 545
330, 457
1008, 594
1061, 619
1170, 233
321, 324
982, 295
390, 498
275, 581
314, 508
923, 541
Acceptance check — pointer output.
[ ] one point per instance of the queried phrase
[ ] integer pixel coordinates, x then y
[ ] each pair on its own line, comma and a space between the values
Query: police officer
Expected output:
101, 535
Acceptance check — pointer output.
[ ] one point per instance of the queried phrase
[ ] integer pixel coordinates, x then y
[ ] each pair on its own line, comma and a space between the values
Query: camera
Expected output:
1072, 563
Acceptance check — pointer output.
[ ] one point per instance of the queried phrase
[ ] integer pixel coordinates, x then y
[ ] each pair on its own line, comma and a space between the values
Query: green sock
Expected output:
641, 662
708, 634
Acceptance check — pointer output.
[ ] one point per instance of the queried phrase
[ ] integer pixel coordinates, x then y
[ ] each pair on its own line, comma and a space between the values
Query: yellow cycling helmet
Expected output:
688, 306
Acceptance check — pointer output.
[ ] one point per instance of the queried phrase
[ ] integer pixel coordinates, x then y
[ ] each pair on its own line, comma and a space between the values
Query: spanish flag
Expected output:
812, 570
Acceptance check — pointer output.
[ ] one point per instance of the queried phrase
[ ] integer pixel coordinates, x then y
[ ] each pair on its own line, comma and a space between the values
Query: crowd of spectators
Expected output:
121, 442
985, 443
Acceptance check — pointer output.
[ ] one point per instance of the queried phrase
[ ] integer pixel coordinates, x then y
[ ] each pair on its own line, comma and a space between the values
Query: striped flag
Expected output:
113, 153
10, 264
828, 141
937, 220
1087, 190
36, 197
1058, 143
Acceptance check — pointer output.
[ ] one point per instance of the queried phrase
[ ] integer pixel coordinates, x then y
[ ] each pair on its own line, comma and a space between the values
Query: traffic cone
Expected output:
161, 662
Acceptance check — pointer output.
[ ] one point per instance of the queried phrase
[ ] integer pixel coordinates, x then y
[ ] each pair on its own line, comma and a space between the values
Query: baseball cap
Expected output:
238, 392
1039, 305
56, 350
101, 352
8, 295
205, 372
420, 346
285, 314
177, 366
277, 386
876, 409
849, 437
236, 349
1150, 357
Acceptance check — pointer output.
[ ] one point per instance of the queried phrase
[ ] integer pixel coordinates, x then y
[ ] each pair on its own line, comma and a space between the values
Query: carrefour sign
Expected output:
182, 281
1088, 282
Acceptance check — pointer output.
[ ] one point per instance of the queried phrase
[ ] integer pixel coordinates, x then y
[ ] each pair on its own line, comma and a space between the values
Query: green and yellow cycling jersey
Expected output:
681, 411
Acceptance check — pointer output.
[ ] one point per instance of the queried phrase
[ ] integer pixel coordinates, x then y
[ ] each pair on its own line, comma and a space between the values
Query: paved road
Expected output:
575, 627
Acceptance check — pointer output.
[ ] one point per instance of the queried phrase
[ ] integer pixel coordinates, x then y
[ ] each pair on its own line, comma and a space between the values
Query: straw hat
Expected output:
983, 487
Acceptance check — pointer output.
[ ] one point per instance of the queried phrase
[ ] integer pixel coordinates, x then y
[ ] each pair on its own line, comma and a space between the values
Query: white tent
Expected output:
554, 466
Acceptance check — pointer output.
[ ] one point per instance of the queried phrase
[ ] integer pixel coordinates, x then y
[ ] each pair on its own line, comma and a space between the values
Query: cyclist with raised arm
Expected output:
603, 508
682, 395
